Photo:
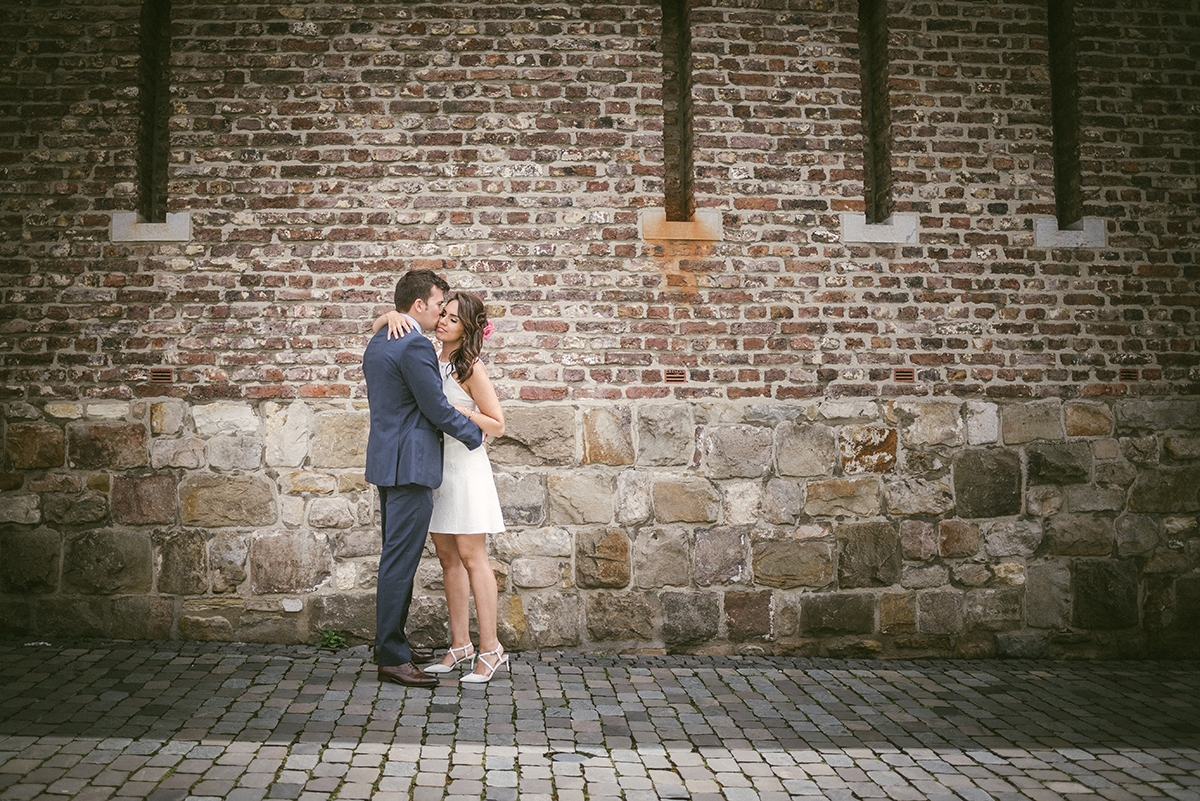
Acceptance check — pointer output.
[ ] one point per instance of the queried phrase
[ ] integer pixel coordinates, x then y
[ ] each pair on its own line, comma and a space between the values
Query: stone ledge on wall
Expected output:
128, 226
898, 229
1090, 232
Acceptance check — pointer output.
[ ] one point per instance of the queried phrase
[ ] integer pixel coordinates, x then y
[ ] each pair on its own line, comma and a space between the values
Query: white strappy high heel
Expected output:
484, 678
468, 652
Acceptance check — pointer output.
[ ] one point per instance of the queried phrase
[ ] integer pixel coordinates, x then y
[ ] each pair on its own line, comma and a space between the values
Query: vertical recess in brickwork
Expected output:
1064, 105
877, 138
680, 200
154, 85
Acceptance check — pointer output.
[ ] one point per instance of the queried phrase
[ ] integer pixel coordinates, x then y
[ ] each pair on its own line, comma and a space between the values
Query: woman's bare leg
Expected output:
472, 550
457, 588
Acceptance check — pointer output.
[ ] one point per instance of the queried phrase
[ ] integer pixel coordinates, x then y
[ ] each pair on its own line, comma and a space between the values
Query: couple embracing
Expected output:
416, 396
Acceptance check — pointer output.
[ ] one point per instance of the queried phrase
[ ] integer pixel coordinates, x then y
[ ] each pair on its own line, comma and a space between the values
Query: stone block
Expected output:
1182, 447
867, 449
306, 482
1136, 535
1012, 537
182, 564
234, 453
65, 411
993, 609
142, 617
20, 509
14, 481
107, 446
748, 615
971, 574
522, 498
685, 500
103, 562
335, 513
1166, 490
288, 562
620, 618
513, 544
983, 422
29, 561
924, 577
1044, 501
987, 483
287, 428
1032, 420
542, 435
223, 417
721, 555
852, 497
1047, 595
1088, 420
580, 496
898, 613
929, 423
805, 450
552, 621
958, 538
353, 543
868, 555
187, 453
918, 540
74, 509
837, 613
143, 500
1059, 462
736, 451
72, 617
940, 612
633, 497
782, 501
1105, 594
608, 436
918, 496
1011, 573
35, 445
205, 628
1022, 644
535, 572
1187, 603
214, 501
168, 417
689, 618
271, 626
602, 558
851, 410
339, 439
743, 502
1080, 536
666, 436
1141, 451
227, 554
1083, 498
350, 613
661, 558
16, 617
1159, 415
789, 563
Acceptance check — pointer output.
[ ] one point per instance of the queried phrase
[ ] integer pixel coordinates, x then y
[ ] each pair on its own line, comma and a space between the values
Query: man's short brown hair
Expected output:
417, 285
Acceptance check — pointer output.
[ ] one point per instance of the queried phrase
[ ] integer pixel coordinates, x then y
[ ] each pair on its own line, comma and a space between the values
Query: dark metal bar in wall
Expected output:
154, 110
1064, 111
876, 110
679, 200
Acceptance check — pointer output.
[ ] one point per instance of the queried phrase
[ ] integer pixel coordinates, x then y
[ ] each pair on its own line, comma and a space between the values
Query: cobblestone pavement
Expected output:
169, 721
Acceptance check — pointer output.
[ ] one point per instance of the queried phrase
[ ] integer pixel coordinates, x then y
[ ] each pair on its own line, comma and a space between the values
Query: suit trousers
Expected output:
404, 512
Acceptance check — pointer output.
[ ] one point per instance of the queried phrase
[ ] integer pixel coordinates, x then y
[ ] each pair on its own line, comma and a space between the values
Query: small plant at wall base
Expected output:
332, 639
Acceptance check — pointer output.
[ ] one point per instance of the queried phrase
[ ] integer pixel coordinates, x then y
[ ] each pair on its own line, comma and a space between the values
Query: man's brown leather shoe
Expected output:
407, 674
419, 655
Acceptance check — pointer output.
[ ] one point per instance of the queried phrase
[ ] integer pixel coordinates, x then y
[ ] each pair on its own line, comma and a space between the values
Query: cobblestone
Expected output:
170, 721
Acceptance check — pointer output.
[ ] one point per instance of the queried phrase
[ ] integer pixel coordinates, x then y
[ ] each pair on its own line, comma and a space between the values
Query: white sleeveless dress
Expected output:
467, 502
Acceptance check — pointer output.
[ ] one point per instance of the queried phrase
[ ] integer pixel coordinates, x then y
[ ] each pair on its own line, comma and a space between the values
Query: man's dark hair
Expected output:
417, 285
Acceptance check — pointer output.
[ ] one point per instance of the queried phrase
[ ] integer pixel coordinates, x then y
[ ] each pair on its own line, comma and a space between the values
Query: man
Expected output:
404, 459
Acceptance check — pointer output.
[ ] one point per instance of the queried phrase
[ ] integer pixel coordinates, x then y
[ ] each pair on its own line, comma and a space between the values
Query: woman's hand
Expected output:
463, 410
397, 324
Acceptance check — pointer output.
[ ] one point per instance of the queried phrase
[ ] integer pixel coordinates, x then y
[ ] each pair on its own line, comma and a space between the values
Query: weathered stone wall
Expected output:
1020, 494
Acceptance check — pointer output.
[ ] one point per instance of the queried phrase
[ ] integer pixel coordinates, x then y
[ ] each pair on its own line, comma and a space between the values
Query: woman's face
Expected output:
449, 327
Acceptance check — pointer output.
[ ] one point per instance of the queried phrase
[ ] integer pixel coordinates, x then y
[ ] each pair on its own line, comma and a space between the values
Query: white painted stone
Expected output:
898, 229
224, 418
743, 500
292, 605
983, 422
293, 510
1090, 232
287, 433
633, 497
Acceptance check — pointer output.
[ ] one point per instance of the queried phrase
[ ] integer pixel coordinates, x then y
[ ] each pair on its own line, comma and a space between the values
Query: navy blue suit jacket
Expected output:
409, 411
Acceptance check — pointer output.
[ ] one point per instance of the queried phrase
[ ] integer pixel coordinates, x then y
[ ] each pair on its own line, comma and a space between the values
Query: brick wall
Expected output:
322, 148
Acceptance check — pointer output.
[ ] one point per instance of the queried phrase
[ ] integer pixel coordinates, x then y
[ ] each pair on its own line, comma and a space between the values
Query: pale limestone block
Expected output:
923, 577
1012, 537
846, 410
340, 439
685, 500
532, 573
666, 435
513, 544
736, 451
855, 497
805, 449
108, 411
212, 419
1087, 420
608, 436
168, 417
580, 497
538, 435
743, 500
330, 513
187, 452
929, 423
1032, 420
917, 496
292, 509
983, 422
21, 509
660, 558
1012, 573
782, 501
307, 481
287, 433
1180, 526
633, 497
65, 411
234, 453
345, 576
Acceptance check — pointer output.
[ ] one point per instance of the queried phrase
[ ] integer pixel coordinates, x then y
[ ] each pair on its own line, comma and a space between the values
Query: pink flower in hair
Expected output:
488, 329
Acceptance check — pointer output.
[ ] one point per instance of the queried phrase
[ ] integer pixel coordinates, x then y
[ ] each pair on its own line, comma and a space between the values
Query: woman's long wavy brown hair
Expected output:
473, 316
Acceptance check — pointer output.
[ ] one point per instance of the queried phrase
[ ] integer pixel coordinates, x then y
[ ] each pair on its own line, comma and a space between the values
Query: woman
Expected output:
465, 507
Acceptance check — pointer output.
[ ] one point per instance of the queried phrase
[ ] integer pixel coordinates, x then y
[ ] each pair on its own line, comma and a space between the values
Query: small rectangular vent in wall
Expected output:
162, 375
1128, 374
904, 375
676, 376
